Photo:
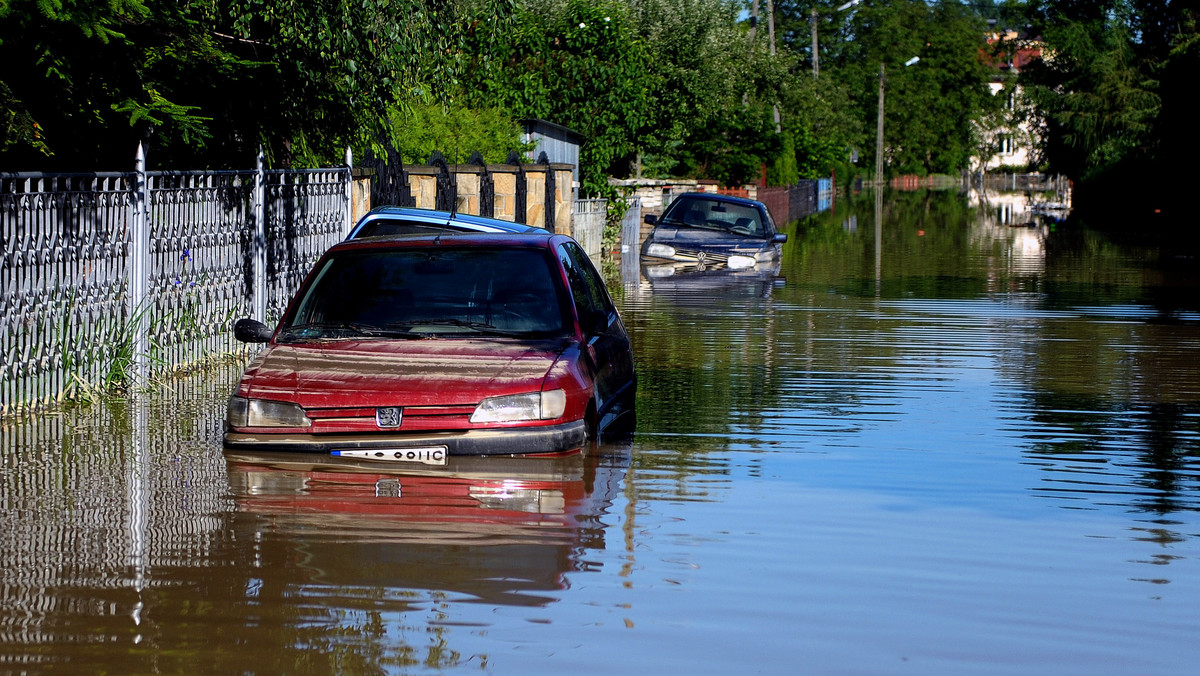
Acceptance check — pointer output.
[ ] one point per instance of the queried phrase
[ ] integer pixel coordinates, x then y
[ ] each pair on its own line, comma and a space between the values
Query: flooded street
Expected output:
946, 446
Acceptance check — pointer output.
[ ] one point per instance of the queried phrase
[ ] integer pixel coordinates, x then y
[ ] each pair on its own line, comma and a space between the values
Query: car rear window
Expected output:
426, 291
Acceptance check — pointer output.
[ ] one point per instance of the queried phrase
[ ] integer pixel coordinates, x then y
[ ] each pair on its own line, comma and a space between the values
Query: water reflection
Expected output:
945, 431
499, 530
129, 543
706, 285
943, 330
100, 506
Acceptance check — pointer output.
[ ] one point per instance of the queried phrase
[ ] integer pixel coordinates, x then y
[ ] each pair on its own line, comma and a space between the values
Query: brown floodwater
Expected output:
943, 446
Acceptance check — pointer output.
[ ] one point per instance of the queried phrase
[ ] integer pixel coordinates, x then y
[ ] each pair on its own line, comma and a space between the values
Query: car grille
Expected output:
703, 257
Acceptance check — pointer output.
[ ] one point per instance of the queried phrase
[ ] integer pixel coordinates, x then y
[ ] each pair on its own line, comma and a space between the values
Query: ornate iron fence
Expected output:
118, 277
487, 186
549, 193
520, 198
390, 181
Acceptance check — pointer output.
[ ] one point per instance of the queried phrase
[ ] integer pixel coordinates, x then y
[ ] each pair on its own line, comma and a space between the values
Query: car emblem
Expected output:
388, 417
700, 257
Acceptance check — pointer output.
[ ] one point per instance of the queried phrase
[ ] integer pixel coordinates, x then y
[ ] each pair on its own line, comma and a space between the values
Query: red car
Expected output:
413, 349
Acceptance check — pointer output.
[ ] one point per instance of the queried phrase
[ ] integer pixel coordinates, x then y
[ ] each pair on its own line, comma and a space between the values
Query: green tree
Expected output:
822, 124
454, 130
732, 148
930, 106
83, 81
698, 65
1094, 96
1115, 98
576, 63
339, 67
209, 81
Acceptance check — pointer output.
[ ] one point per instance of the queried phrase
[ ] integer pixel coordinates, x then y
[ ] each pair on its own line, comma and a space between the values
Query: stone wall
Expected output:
422, 184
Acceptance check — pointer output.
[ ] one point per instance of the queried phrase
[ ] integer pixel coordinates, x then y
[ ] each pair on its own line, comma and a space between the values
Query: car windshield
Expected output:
428, 292
710, 214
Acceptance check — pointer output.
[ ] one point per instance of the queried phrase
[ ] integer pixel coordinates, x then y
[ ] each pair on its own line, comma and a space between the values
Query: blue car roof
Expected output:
718, 197
435, 218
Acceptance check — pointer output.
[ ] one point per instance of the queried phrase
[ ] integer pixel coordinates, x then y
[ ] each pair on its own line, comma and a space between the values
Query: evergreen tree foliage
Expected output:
1115, 96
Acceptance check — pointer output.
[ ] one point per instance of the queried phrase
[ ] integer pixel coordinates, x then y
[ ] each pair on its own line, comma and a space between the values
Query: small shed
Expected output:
560, 144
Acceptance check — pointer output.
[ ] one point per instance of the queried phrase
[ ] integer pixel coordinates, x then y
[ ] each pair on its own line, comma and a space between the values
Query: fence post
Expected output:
521, 216
259, 246
349, 224
138, 272
548, 193
631, 239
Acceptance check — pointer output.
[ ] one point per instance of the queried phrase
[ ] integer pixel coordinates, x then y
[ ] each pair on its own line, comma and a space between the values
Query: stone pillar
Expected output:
504, 177
468, 176
360, 192
564, 196
422, 181
535, 192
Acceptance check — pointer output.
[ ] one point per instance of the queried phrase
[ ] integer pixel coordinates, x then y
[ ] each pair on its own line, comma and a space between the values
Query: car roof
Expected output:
718, 197
440, 217
532, 240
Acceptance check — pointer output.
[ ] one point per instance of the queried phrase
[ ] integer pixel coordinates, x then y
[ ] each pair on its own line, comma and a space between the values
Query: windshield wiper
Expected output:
480, 327
318, 330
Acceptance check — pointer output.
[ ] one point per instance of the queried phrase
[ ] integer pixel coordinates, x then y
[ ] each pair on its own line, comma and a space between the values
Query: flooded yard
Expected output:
946, 445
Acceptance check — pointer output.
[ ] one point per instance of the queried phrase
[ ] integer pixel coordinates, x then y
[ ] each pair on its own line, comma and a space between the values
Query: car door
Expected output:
607, 343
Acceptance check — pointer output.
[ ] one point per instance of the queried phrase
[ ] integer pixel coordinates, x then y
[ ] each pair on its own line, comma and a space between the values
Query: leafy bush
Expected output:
455, 130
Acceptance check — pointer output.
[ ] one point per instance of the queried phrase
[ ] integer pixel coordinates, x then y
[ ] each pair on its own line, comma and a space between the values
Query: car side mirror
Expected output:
650, 219
251, 331
779, 237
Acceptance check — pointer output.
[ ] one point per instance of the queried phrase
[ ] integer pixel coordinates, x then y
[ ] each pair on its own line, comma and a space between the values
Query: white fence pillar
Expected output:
138, 273
258, 208
631, 240
349, 193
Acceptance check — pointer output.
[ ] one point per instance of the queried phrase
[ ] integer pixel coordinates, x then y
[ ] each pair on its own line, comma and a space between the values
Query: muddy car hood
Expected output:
346, 374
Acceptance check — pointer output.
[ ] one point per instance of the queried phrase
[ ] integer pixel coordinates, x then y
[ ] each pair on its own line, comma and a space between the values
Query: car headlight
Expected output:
741, 262
660, 250
517, 407
245, 412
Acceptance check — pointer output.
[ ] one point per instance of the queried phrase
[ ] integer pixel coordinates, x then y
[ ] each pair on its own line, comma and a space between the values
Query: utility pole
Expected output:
879, 133
815, 56
753, 23
771, 24
752, 32
771, 35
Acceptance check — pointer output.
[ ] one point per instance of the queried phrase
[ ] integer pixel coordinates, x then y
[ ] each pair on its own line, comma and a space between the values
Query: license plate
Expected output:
426, 455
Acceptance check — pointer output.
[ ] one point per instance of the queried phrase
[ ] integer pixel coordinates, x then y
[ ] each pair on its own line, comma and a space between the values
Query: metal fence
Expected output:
1020, 182
587, 224
799, 200
119, 277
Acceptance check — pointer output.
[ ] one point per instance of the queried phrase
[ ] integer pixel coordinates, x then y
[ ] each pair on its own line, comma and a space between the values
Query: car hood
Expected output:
346, 374
698, 238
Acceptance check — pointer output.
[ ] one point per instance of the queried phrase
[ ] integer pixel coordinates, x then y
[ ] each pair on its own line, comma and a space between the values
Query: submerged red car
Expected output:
414, 349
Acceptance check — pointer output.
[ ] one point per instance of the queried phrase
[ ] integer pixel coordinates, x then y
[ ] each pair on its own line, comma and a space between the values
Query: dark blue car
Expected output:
708, 230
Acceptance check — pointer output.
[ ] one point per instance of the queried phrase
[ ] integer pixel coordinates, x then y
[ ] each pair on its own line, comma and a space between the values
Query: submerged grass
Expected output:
100, 359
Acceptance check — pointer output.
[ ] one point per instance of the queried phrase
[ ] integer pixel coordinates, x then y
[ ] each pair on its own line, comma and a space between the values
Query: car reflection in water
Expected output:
682, 280
504, 530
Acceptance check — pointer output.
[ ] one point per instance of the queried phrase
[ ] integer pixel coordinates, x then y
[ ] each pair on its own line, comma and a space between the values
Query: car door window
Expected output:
586, 285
